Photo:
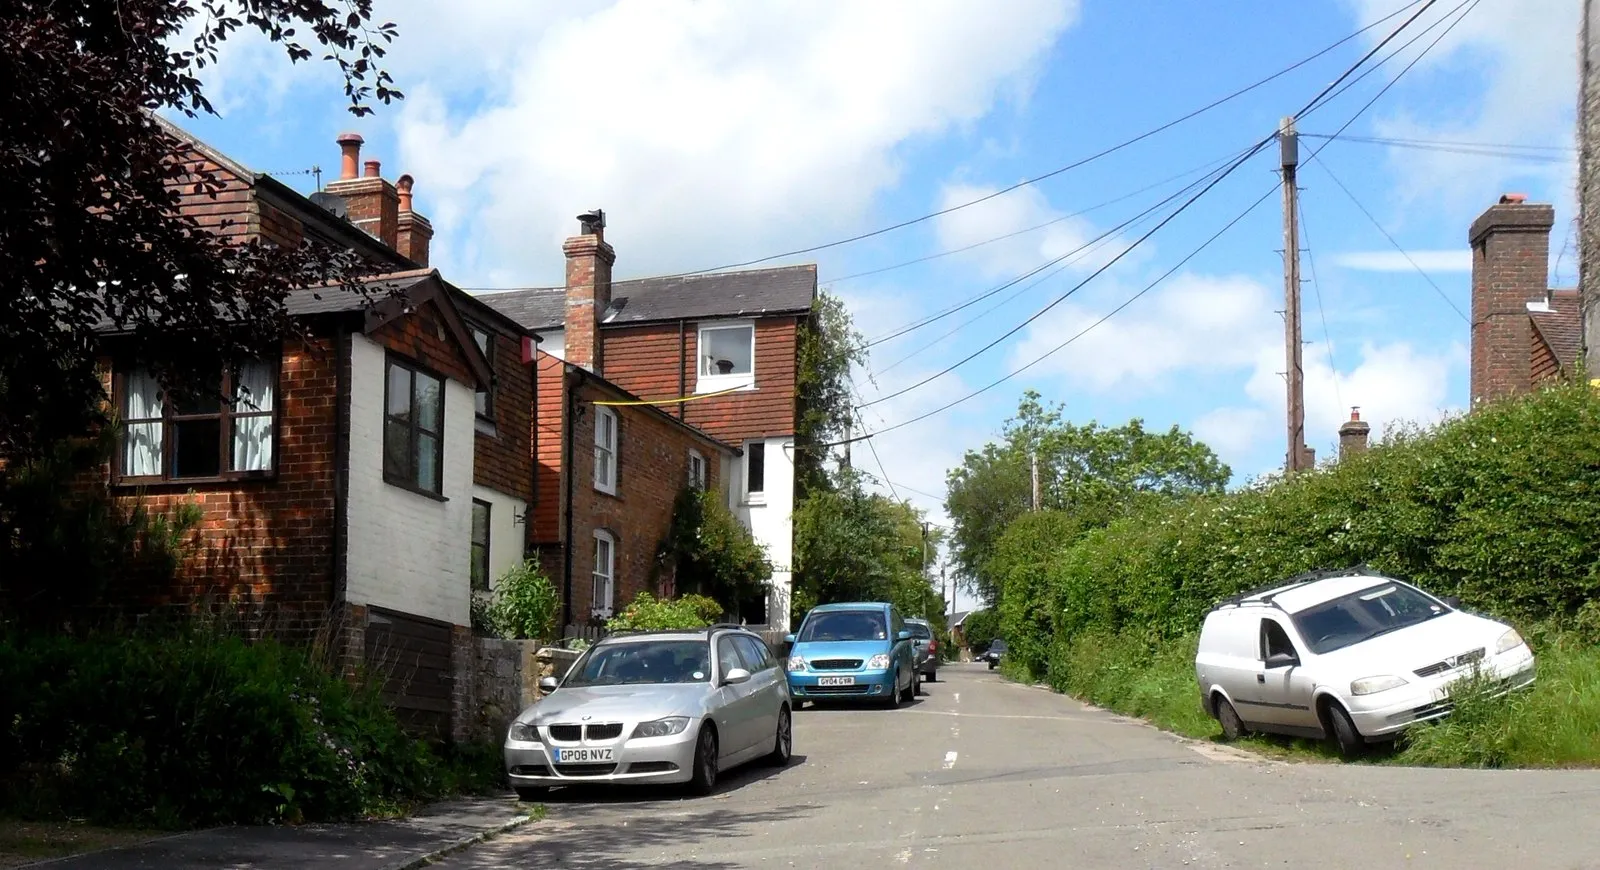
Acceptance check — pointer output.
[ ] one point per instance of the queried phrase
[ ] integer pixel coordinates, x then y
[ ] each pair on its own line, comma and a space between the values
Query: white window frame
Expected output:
711, 383
757, 496
605, 482
697, 469
604, 576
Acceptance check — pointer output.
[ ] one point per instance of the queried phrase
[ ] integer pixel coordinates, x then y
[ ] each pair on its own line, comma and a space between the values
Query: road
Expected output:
982, 773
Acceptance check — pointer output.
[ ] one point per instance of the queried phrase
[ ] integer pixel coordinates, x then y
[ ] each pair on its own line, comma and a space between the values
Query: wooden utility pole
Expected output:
1033, 462
1289, 147
1589, 185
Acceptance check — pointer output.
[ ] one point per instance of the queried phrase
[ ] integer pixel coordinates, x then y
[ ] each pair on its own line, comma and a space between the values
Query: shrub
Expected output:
523, 605
648, 613
711, 553
980, 629
1020, 558
195, 728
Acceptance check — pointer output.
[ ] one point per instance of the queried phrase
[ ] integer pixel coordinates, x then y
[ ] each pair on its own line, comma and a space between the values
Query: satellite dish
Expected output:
332, 202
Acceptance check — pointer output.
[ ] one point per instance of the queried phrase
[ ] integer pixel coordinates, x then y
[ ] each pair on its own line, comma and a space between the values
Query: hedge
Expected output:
1500, 507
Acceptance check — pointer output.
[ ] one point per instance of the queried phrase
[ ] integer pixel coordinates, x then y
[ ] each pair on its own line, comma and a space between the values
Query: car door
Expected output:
768, 686
1284, 689
734, 701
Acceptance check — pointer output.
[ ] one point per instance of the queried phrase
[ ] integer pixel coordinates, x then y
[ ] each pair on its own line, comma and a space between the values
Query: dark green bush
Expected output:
197, 728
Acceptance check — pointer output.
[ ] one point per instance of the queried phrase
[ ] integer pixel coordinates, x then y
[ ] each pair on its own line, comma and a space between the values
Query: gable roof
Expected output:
751, 293
633, 401
1561, 328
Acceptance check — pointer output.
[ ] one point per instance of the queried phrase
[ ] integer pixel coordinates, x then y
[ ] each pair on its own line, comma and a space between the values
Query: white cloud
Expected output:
1394, 261
1019, 212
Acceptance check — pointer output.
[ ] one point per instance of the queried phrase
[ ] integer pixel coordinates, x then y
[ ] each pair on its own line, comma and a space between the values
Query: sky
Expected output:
725, 131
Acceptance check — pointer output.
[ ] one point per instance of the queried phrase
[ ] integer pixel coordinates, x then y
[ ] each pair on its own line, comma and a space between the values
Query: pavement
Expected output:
981, 773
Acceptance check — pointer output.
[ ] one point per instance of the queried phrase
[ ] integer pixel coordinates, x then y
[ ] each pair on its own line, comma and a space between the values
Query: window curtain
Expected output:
141, 442
252, 435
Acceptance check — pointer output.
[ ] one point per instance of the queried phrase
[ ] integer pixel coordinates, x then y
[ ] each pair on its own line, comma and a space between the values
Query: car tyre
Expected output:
532, 793
915, 689
933, 676
893, 700
991, 664
783, 744
1232, 726
705, 762
1343, 731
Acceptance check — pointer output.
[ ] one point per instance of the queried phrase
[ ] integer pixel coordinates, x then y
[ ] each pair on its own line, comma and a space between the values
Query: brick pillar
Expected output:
372, 202
589, 260
413, 231
1353, 435
463, 694
1510, 268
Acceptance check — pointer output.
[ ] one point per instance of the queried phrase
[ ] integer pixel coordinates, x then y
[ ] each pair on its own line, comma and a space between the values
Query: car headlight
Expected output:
1508, 642
524, 731
878, 662
661, 727
797, 663
1373, 685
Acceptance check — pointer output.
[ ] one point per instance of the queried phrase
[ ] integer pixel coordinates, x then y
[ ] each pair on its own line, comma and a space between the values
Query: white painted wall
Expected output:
505, 533
771, 522
407, 552
553, 342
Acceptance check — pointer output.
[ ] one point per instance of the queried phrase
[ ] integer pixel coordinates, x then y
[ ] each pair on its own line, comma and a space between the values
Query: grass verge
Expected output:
23, 842
1556, 724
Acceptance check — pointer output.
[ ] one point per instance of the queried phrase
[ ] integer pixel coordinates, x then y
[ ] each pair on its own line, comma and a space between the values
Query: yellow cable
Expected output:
676, 401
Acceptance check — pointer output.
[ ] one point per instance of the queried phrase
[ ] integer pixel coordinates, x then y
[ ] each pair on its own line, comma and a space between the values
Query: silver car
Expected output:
655, 707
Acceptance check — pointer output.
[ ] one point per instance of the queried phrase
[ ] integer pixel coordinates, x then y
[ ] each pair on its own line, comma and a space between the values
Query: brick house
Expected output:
728, 342
367, 477
1523, 331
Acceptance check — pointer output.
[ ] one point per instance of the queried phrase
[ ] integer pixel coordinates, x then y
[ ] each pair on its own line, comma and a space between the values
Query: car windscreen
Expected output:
998, 646
842, 625
919, 631
1361, 616
642, 663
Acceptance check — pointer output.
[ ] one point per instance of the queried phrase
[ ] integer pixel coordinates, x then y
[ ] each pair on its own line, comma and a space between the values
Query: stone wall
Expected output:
506, 677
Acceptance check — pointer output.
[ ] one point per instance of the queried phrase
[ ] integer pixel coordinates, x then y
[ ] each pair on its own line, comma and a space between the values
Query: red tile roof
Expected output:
1561, 328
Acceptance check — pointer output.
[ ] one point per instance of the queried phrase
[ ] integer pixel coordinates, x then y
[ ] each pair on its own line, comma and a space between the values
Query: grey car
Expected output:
927, 647
655, 707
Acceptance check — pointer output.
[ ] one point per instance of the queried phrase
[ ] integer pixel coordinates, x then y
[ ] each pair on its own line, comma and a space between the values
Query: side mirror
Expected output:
735, 677
548, 684
904, 635
1452, 602
788, 638
1282, 660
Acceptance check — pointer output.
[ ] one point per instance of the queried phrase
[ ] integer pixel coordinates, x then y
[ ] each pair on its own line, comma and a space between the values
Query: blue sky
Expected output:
722, 132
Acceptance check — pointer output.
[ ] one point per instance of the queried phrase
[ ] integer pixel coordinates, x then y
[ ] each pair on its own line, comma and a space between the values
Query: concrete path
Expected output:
981, 773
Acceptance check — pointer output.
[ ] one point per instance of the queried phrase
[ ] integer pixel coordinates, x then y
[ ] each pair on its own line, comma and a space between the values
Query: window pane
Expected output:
141, 448
205, 397
142, 399
254, 387
427, 462
602, 467
430, 403
399, 391
397, 449
726, 351
480, 545
197, 448
481, 403
756, 465
252, 443
480, 522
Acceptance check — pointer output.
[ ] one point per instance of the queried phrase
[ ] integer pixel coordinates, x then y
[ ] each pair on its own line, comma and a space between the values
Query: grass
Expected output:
1556, 724
24, 842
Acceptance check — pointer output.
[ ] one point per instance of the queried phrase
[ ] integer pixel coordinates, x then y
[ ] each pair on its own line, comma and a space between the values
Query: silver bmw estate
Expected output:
655, 707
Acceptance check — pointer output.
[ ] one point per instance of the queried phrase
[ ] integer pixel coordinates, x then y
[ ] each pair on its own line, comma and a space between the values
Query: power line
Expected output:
1468, 151
1070, 166
883, 470
1384, 140
1226, 227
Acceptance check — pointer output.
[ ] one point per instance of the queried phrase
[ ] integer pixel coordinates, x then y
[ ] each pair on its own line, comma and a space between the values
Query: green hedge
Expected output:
196, 728
1500, 507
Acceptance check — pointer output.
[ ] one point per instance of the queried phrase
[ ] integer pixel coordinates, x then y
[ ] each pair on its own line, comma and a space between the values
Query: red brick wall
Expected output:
589, 261
268, 541
646, 360
504, 461
423, 337
1510, 268
373, 205
545, 527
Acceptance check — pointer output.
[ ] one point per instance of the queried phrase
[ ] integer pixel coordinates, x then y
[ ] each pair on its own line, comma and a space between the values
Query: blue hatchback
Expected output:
859, 650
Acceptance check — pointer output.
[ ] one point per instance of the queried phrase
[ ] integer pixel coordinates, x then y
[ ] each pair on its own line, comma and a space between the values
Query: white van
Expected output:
1351, 656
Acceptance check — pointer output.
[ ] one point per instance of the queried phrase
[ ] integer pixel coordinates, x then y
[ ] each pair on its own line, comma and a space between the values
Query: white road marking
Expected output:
957, 696
949, 759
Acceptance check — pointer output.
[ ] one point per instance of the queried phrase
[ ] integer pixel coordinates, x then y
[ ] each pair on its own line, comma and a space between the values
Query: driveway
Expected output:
987, 774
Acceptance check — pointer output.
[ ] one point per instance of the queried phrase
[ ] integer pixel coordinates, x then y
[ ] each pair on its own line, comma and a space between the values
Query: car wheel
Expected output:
893, 700
991, 664
933, 676
705, 761
1228, 718
532, 793
915, 689
1343, 730
783, 746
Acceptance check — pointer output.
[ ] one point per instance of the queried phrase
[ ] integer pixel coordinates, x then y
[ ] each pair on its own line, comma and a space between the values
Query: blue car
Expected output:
860, 650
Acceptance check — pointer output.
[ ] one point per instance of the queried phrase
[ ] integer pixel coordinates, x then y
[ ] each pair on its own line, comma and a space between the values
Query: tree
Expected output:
90, 233
829, 347
855, 545
711, 554
1090, 472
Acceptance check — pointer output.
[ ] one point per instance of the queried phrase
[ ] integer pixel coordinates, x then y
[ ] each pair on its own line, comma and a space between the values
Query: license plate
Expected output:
582, 756
836, 681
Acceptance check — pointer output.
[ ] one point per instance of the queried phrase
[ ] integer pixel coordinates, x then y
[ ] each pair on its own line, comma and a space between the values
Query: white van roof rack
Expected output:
1265, 594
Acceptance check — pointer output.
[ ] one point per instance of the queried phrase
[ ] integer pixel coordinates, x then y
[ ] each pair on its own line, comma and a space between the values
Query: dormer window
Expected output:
727, 354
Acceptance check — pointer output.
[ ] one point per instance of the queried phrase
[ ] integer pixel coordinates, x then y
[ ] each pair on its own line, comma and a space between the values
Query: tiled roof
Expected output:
330, 299
752, 293
1562, 327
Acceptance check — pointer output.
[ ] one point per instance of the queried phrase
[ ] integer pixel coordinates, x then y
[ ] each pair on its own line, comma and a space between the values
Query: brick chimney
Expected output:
1353, 435
589, 259
373, 203
414, 231
1510, 268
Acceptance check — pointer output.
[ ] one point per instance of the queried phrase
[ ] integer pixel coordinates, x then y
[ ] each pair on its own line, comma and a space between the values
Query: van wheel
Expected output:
1337, 723
1232, 726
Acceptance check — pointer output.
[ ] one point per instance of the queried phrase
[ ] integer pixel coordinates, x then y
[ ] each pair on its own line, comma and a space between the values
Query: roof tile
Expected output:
752, 293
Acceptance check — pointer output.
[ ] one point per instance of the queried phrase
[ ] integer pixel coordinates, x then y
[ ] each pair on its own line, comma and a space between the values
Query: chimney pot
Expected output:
371, 169
1512, 198
1355, 413
349, 153
1353, 434
403, 185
